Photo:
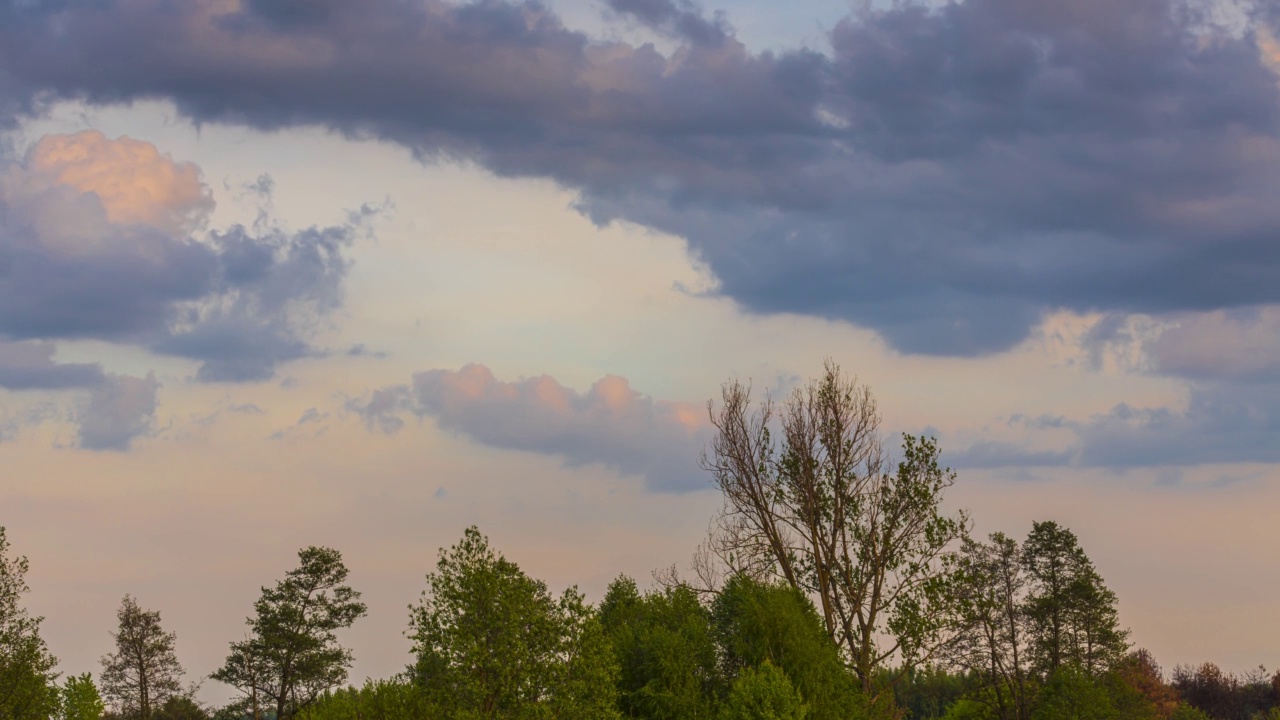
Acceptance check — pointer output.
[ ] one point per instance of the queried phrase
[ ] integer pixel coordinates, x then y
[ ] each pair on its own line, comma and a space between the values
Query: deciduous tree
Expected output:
28, 689
822, 509
666, 652
492, 642
763, 693
81, 700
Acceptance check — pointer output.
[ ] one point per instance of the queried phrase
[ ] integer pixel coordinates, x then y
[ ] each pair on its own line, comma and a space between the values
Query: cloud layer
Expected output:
611, 424
96, 242
944, 175
104, 239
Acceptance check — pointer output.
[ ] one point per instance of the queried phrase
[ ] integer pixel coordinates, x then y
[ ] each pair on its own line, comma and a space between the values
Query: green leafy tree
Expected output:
1072, 614
80, 699
927, 693
144, 671
1071, 693
666, 651
292, 654
395, 699
763, 693
758, 623
823, 509
180, 707
28, 683
491, 642
587, 670
1183, 711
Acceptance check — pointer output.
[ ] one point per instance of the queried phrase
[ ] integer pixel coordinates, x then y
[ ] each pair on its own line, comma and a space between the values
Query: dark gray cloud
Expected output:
119, 410
611, 424
942, 175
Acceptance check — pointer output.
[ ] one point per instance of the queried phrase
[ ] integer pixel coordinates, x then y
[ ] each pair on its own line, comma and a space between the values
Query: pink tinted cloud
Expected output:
611, 424
134, 182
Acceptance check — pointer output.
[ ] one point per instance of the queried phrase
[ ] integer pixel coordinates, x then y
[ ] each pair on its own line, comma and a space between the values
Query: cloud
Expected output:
681, 19
118, 411
945, 175
310, 424
134, 183
1222, 423
611, 424
1241, 344
30, 366
97, 241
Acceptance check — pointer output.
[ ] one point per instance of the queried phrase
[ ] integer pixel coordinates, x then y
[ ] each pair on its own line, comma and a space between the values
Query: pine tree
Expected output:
144, 670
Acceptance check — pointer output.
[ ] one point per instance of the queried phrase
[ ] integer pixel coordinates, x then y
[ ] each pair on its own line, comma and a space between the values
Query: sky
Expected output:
363, 273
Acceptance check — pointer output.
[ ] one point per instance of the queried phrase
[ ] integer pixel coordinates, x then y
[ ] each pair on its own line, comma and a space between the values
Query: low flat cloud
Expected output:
1222, 423
611, 424
31, 366
945, 175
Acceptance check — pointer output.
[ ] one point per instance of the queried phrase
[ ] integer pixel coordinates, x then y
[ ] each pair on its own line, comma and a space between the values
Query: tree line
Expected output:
832, 585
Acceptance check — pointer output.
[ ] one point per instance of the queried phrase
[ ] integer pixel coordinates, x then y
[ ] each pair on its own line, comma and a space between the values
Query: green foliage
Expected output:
666, 652
928, 693
180, 707
969, 709
397, 699
28, 689
763, 693
1072, 693
80, 699
292, 655
144, 671
757, 623
1188, 712
491, 642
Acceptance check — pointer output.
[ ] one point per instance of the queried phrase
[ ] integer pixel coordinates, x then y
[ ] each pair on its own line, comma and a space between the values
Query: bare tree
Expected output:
822, 509
144, 671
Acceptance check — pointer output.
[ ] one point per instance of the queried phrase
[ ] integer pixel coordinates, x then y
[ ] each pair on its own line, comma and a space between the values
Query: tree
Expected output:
80, 699
1072, 613
144, 670
28, 689
824, 511
666, 652
396, 699
993, 646
292, 653
492, 642
773, 623
763, 693
1188, 712
180, 707
1071, 693
1140, 671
